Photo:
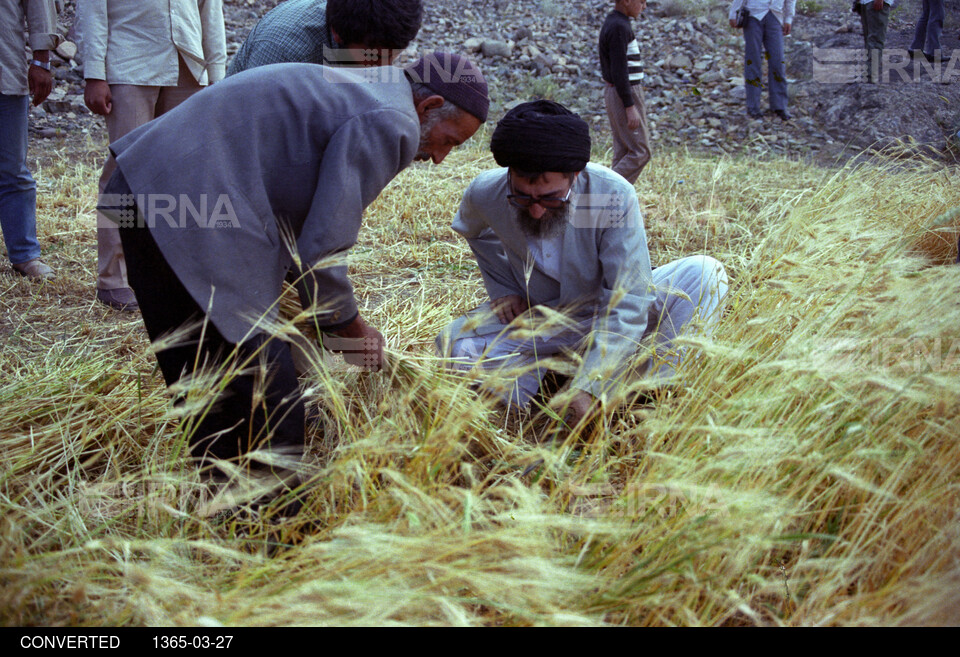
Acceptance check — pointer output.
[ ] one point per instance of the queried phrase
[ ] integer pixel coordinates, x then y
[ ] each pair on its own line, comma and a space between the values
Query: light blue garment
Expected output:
689, 295
18, 191
606, 288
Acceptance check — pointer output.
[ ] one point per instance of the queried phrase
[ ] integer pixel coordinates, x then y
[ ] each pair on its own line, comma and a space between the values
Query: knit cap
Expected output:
455, 78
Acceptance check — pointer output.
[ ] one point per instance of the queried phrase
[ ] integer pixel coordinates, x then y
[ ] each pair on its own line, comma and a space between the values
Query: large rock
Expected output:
494, 48
679, 60
67, 50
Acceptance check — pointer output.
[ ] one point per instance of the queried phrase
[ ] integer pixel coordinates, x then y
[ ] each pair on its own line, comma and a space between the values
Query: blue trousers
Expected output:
929, 27
760, 36
18, 191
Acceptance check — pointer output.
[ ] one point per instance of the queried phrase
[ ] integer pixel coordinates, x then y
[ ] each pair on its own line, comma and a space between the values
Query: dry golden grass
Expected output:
806, 471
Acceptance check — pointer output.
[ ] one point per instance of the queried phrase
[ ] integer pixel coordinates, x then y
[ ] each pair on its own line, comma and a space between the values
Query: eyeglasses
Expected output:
550, 202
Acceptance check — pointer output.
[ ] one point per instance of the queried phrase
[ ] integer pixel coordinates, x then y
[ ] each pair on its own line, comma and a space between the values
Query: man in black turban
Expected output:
563, 254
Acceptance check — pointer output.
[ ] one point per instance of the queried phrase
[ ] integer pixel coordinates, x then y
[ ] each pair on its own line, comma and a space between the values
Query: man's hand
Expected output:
733, 23
786, 29
582, 406
633, 117
97, 97
360, 344
878, 5
509, 307
39, 80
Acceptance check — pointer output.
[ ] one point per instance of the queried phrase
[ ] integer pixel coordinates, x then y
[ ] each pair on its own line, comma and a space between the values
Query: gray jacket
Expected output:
605, 264
285, 153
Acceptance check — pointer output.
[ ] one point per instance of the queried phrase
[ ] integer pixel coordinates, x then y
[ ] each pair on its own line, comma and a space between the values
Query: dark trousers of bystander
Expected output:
926, 35
759, 37
874, 24
631, 148
258, 406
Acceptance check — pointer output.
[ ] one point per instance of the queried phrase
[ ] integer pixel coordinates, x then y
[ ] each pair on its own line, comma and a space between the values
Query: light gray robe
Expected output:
298, 144
605, 264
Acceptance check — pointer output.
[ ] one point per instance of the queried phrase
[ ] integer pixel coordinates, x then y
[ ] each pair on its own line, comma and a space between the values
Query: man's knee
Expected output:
702, 278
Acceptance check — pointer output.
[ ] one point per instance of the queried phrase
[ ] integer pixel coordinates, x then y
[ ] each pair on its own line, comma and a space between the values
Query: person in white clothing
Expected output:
140, 60
561, 247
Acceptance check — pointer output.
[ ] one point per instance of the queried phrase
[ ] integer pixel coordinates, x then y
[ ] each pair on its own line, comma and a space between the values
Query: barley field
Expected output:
805, 470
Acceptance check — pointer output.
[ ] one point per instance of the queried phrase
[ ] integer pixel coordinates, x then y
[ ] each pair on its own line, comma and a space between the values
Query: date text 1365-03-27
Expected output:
192, 641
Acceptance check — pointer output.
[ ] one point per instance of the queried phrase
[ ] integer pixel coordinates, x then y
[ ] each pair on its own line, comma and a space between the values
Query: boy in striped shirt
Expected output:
623, 72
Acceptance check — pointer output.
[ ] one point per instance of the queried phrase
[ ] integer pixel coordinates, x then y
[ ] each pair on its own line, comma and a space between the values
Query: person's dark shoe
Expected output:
122, 299
755, 114
35, 268
914, 54
783, 114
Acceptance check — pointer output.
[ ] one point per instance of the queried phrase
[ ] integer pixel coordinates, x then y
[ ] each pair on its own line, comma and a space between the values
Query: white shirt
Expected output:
783, 10
138, 41
41, 23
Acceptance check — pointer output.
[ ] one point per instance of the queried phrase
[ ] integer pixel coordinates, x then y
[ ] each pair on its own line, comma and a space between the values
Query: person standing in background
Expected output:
141, 60
622, 70
18, 191
769, 21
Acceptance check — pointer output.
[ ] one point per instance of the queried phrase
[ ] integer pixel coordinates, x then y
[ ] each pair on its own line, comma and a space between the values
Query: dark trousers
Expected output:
258, 407
874, 25
759, 37
926, 36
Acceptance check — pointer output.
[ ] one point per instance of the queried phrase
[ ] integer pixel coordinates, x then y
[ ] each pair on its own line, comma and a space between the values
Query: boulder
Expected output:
495, 48
67, 50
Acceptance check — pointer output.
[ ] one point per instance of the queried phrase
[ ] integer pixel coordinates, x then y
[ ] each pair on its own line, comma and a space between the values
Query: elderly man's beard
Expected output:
432, 119
550, 224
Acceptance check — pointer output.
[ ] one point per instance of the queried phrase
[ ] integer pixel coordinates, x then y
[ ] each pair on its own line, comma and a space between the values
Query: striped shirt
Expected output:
620, 62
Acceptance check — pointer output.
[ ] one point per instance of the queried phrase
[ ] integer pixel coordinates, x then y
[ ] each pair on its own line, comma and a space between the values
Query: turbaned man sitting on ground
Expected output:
553, 231
210, 195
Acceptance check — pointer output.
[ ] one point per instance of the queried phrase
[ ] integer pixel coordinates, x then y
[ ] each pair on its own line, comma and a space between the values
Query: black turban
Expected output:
541, 136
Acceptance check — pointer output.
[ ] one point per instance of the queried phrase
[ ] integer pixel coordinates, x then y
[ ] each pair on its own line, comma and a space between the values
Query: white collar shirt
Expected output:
783, 10
140, 43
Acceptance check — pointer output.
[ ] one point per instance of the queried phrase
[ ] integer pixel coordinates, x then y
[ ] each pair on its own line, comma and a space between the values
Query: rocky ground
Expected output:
694, 64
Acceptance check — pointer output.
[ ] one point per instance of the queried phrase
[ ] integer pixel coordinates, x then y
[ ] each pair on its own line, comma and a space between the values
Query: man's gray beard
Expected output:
432, 119
551, 224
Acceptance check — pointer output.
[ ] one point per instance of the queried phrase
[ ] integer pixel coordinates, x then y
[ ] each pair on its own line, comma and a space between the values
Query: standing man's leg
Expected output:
132, 107
753, 65
920, 32
617, 117
776, 67
18, 191
259, 406
874, 36
934, 28
631, 149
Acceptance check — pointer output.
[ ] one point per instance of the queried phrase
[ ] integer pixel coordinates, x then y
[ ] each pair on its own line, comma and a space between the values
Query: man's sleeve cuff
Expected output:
45, 41
216, 72
94, 71
336, 327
